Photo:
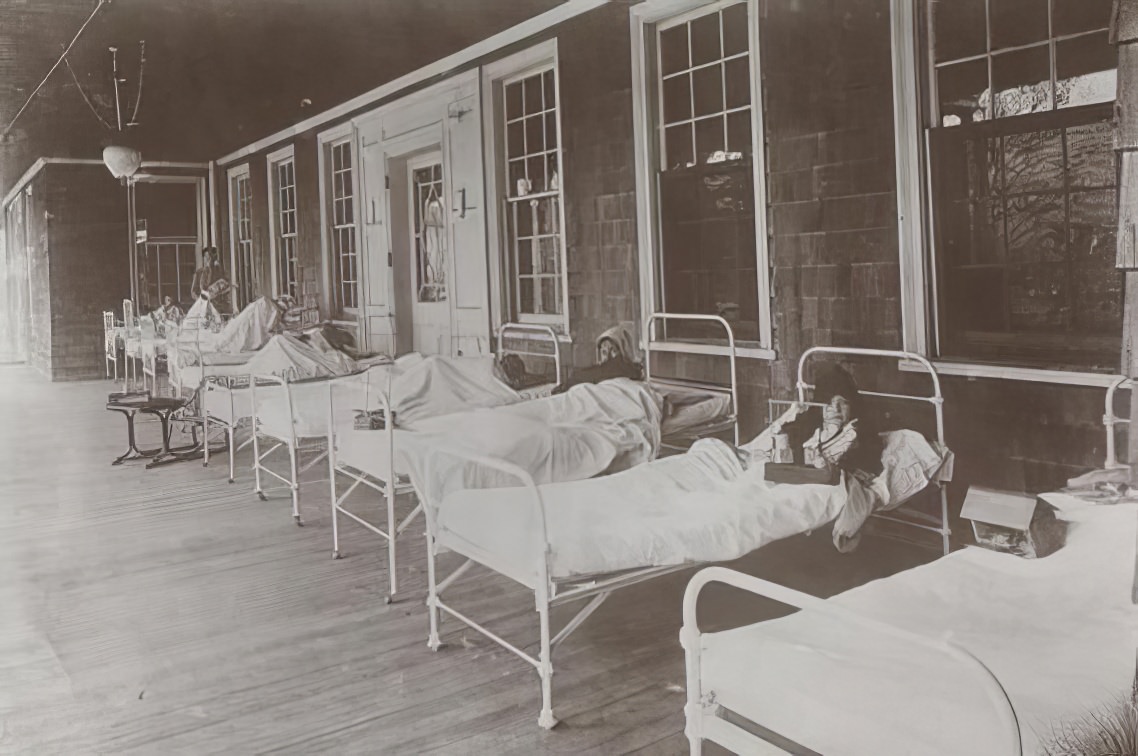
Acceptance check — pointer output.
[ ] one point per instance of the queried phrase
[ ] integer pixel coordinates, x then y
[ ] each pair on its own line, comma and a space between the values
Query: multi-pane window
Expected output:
429, 218
534, 237
707, 255
286, 240
343, 227
169, 270
1023, 181
242, 220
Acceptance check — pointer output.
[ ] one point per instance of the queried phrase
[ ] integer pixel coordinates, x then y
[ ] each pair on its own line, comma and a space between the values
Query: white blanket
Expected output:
702, 506
250, 329
570, 436
1058, 632
417, 388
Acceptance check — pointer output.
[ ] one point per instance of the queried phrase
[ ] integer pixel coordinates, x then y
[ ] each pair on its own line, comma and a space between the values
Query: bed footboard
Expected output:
701, 713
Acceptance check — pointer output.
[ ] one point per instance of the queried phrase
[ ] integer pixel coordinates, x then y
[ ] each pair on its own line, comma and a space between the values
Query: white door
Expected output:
379, 333
432, 265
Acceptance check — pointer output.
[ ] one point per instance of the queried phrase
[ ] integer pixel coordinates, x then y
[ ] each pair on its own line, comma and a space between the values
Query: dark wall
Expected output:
829, 118
600, 185
36, 216
90, 269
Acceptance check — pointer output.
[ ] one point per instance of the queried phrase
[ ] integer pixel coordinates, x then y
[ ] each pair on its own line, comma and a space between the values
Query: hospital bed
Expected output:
978, 652
614, 424
573, 541
694, 408
522, 333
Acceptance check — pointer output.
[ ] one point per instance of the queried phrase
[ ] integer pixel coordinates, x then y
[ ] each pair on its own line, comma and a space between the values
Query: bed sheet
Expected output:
701, 506
688, 411
417, 388
589, 430
1058, 632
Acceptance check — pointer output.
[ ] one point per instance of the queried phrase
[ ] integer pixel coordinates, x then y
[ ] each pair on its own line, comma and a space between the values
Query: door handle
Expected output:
461, 206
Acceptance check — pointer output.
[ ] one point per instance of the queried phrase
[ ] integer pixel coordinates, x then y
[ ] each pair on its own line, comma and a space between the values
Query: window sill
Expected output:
1010, 373
687, 347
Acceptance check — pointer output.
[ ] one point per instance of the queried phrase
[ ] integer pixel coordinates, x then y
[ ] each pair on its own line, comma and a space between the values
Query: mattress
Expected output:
691, 412
700, 506
1058, 632
417, 388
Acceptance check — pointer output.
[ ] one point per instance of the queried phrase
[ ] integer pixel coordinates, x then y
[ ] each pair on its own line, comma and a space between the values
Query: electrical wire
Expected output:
141, 68
86, 99
62, 57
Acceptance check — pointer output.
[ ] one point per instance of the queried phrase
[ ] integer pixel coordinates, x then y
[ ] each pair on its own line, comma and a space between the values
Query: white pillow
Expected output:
909, 464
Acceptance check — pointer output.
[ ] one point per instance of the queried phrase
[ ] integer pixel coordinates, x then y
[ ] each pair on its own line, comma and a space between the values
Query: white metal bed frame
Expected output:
704, 717
521, 331
1111, 419
915, 518
387, 483
550, 592
652, 343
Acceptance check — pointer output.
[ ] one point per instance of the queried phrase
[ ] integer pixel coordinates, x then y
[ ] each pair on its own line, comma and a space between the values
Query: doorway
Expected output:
429, 260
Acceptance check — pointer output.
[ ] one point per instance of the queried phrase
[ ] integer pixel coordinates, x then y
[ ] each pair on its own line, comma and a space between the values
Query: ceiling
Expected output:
219, 74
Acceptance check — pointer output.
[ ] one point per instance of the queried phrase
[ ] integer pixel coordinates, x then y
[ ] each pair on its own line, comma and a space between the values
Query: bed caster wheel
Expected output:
388, 599
546, 720
205, 464
337, 555
434, 644
299, 522
262, 496
231, 480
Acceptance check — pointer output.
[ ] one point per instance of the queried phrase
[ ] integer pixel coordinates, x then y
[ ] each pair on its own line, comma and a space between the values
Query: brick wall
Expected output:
90, 269
600, 185
39, 278
834, 249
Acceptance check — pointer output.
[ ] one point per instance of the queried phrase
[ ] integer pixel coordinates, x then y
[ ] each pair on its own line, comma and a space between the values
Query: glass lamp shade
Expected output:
122, 161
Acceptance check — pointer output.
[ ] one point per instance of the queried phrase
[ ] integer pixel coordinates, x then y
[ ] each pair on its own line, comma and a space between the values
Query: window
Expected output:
241, 235
169, 270
342, 227
428, 228
285, 262
534, 261
705, 249
1022, 176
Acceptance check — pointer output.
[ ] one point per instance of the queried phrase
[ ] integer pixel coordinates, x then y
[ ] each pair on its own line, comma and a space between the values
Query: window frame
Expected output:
917, 248
504, 284
647, 18
326, 142
232, 176
273, 163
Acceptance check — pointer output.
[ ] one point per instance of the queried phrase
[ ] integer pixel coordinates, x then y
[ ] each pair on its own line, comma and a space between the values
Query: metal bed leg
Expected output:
295, 486
432, 595
335, 509
230, 433
257, 464
545, 669
945, 530
392, 577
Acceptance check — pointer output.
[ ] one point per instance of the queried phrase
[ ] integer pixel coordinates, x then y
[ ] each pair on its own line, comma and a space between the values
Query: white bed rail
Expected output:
653, 344
543, 663
702, 720
522, 331
935, 399
1111, 419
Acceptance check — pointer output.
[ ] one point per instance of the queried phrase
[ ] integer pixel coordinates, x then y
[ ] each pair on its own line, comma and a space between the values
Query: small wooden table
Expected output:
161, 407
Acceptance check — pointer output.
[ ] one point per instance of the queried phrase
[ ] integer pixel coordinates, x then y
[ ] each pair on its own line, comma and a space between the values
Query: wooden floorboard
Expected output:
168, 611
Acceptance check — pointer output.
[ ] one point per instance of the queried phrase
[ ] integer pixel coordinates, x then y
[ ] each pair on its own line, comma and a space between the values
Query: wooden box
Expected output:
1013, 523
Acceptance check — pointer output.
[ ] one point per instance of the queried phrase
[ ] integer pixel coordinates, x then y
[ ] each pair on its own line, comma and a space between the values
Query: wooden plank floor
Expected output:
166, 611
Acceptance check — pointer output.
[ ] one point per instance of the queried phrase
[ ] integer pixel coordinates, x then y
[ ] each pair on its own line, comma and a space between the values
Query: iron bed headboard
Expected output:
522, 329
917, 519
653, 344
1110, 419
